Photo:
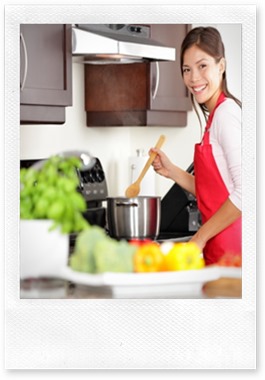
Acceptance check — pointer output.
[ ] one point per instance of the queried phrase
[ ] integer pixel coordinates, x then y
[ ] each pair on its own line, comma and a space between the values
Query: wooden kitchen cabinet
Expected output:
45, 73
168, 96
139, 94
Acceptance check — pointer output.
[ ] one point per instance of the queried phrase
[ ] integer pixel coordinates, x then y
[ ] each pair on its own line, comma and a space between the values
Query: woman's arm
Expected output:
226, 215
163, 166
225, 137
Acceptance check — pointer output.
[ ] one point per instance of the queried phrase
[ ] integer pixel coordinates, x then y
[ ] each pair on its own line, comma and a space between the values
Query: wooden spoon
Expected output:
134, 189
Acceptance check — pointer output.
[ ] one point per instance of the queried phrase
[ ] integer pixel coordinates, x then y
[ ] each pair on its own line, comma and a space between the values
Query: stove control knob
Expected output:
92, 177
100, 175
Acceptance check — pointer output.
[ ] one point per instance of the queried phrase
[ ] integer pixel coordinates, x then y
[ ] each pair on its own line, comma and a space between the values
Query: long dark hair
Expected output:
209, 40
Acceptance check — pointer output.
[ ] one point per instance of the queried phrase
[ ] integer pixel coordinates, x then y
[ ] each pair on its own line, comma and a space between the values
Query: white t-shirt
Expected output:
225, 137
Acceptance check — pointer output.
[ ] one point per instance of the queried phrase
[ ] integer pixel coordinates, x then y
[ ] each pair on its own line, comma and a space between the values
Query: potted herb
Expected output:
51, 208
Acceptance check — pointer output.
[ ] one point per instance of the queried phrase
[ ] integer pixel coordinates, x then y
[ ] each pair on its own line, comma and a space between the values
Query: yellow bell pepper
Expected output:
149, 258
184, 256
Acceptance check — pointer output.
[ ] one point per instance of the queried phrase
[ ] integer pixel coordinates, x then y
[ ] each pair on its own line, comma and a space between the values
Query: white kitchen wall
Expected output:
114, 145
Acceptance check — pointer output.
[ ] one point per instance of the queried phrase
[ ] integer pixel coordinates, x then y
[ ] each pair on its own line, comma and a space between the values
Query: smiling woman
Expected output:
203, 65
202, 76
217, 159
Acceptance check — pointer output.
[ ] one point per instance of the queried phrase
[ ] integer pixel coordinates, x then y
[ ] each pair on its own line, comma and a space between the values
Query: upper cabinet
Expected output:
139, 94
45, 73
168, 96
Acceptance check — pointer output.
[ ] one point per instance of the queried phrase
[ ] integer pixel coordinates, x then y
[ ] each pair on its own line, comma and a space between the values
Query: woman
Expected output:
216, 182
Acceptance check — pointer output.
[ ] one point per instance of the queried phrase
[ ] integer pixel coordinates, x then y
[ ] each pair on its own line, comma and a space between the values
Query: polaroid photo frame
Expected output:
129, 333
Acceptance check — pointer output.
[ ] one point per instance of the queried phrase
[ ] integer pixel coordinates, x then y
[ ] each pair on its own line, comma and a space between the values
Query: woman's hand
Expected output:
199, 241
161, 164
227, 214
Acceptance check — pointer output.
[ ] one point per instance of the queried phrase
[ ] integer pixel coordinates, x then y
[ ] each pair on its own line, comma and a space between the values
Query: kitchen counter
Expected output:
224, 287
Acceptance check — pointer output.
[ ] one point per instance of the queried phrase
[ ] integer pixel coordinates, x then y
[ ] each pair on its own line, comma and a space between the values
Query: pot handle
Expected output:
126, 204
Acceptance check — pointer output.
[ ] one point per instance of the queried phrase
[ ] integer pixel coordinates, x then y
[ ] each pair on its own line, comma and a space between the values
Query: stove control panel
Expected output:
93, 185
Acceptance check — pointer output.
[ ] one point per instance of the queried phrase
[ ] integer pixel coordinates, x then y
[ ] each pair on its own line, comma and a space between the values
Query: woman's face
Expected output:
202, 76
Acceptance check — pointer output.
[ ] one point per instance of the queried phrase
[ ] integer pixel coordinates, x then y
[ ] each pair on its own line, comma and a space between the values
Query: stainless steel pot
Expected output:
131, 218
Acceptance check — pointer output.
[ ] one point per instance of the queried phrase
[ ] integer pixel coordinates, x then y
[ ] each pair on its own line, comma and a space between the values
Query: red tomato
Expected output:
139, 242
230, 260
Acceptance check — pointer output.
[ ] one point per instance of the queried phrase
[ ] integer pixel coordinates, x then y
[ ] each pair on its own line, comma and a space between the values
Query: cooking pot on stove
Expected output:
130, 218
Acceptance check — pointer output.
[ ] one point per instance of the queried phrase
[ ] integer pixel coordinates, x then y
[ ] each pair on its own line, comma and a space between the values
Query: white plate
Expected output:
179, 284
231, 272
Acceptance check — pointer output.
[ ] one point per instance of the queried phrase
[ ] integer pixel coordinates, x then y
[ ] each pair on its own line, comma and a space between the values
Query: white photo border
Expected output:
137, 333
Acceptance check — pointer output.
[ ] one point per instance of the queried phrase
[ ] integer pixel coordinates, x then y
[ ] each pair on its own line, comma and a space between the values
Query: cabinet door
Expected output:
167, 90
45, 72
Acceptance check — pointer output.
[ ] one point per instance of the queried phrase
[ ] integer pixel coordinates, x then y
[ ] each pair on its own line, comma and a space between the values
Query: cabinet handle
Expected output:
157, 78
22, 85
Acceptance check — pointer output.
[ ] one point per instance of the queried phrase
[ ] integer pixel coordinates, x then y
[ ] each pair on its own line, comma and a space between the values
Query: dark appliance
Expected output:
93, 187
179, 213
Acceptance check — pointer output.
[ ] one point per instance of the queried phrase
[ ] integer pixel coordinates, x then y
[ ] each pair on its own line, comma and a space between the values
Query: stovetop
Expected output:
174, 236
162, 237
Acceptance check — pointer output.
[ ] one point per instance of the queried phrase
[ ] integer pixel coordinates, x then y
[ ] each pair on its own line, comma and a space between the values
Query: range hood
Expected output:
117, 43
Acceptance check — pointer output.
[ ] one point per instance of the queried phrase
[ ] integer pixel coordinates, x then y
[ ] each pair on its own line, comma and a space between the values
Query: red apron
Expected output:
211, 193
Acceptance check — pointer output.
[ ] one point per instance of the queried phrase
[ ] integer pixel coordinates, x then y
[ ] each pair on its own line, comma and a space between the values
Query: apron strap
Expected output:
210, 118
